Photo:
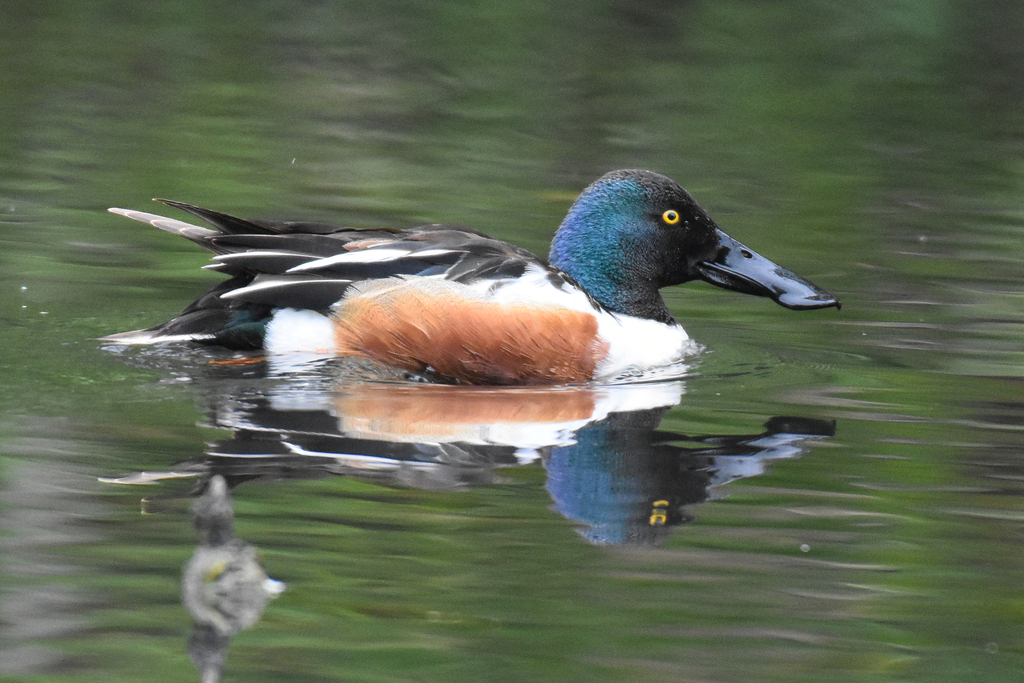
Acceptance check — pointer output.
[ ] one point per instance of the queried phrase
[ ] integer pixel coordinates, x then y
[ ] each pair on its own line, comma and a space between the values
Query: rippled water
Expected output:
821, 496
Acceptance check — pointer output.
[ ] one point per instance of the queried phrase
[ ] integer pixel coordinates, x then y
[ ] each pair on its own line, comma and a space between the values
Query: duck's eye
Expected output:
671, 217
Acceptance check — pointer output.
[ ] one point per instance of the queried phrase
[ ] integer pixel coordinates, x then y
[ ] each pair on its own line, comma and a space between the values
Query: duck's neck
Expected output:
603, 268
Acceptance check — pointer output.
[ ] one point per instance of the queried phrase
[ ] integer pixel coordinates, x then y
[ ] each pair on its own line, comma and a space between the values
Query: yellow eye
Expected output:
671, 217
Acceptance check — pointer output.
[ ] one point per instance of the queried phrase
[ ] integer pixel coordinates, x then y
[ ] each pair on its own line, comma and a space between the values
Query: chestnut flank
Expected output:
447, 328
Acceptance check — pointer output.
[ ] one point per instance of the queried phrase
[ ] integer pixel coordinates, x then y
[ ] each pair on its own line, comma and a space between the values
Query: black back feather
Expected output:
274, 264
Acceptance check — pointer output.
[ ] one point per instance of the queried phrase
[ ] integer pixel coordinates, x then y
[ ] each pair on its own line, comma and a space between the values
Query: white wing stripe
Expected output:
371, 255
363, 256
242, 255
275, 284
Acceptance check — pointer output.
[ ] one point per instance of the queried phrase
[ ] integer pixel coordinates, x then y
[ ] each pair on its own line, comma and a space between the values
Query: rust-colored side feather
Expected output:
436, 324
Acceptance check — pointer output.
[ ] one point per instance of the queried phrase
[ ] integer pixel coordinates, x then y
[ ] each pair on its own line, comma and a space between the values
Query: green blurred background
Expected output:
874, 148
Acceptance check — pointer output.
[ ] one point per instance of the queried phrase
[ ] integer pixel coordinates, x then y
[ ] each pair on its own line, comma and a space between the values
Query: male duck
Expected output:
457, 303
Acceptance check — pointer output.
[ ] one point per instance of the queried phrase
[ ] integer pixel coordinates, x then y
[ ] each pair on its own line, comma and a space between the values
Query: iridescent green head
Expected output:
632, 232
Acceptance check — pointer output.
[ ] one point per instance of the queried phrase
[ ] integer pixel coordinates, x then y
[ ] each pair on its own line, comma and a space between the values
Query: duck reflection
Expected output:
626, 482
224, 587
610, 469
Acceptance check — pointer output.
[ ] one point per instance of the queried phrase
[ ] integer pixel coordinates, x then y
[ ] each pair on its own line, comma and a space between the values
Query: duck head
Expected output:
632, 232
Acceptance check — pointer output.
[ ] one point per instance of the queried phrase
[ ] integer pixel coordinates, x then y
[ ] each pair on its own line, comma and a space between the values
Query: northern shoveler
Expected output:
451, 301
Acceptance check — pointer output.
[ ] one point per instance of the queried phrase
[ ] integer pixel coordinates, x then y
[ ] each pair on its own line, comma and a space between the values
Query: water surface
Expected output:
875, 150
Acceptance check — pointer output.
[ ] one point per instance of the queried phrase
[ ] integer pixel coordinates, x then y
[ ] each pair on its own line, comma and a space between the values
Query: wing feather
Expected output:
304, 265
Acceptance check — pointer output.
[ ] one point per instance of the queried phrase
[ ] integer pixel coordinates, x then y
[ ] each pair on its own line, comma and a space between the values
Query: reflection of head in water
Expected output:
623, 485
626, 483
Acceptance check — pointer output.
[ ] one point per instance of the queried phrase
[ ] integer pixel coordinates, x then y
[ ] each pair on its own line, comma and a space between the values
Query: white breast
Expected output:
634, 344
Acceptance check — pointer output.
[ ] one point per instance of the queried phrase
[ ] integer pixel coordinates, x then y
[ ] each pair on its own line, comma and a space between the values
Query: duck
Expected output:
449, 302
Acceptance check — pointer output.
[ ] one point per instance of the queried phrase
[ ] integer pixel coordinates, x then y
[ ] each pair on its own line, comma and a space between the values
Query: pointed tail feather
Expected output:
226, 224
195, 233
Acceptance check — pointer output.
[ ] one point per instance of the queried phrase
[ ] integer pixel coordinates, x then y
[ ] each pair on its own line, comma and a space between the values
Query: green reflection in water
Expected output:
874, 149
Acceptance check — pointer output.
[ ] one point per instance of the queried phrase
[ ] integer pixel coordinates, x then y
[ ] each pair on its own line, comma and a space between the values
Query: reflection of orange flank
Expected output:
408, 325
242, 360
437, 411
